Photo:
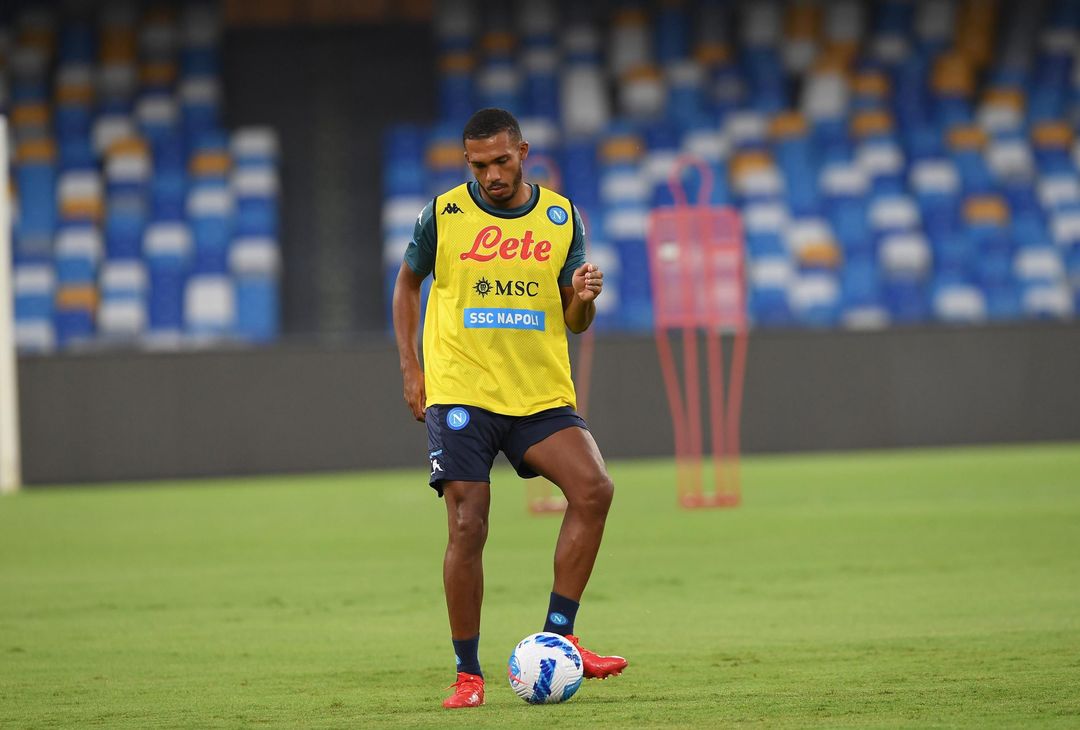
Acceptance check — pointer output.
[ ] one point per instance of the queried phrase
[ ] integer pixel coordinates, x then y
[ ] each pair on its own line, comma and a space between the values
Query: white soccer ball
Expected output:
545, 668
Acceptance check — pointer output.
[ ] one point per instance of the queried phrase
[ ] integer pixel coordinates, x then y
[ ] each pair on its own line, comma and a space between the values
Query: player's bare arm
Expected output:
579, 306
406, 328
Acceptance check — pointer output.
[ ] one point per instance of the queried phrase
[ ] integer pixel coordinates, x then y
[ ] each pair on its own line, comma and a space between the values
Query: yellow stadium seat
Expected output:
77, 298
118, 45
1052, 135
630, 17
986, 209
836, 57
75, 94
966, 137
35, 151
456, 63
81, 209
30, 115
158, 74
498, 42
871, 122
445, 156
871, 83
622, 148
210, 164
787, 125
803, 21
642, 72
749, 162
40, 38
712, 54
824, 254
953, 75
1004, 97
128, 146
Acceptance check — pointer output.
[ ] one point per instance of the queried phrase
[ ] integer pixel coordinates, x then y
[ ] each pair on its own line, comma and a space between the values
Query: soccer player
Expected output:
509, 278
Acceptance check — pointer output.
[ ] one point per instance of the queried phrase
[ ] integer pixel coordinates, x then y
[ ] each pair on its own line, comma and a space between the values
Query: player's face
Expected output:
496, 164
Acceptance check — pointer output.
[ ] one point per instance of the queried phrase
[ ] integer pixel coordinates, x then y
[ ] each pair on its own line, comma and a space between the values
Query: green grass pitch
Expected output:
931, 588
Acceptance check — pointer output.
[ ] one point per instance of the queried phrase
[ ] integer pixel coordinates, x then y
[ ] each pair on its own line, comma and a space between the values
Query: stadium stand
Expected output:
904, 161
139, 220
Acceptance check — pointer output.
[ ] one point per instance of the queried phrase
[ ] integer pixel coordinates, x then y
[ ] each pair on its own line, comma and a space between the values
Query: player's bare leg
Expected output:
571, 460
467, 505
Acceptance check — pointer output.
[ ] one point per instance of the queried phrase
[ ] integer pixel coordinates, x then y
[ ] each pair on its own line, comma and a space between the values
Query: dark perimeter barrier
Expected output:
135, 416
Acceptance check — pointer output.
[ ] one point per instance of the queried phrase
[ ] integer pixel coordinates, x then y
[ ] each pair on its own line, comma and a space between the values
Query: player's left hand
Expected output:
588, 282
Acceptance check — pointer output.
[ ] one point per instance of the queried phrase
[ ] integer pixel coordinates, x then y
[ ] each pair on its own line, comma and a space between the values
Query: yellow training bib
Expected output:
494, 335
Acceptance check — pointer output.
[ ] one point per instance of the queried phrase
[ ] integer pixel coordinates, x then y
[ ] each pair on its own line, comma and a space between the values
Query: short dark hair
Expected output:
489, 122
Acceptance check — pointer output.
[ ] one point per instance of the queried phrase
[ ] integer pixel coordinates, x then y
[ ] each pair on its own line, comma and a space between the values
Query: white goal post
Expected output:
10, 452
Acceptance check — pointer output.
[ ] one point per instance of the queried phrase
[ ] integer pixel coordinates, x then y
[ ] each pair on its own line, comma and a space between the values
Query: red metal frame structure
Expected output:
698, 272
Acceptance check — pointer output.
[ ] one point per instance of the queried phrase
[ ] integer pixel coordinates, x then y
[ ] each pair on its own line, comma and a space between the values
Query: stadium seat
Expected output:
814, 299
35, 176
168, 249
256, 193
255, 147
255, 263
209, 307
210, 212
122, 314
582, 99
111, 108
770, 278
78, 253
34, 287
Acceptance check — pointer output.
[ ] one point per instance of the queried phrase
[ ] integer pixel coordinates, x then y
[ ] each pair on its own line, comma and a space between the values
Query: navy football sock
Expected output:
561, 614
467, 652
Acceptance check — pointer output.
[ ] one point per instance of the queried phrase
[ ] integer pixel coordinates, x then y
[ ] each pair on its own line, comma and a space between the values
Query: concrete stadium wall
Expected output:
109, 417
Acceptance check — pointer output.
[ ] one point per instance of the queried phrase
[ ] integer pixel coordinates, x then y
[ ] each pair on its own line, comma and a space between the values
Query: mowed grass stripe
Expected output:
875, 589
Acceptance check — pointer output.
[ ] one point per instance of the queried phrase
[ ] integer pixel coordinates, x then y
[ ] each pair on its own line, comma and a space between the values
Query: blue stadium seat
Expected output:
255, 265
123, 313
107, 124
815, 300
34, 287
77, 43
168, 249
200, 107
889, 124
78, 253
256, 192
210, 214
125, 220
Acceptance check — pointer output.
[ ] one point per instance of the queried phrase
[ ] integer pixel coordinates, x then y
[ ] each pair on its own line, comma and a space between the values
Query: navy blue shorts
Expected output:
463, 441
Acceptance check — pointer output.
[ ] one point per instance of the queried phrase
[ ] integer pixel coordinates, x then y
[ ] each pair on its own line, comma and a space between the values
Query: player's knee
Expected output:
468, 529
596, 498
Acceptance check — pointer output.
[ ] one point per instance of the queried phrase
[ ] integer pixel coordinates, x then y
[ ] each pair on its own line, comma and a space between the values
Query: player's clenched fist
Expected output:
414, 392
588, 281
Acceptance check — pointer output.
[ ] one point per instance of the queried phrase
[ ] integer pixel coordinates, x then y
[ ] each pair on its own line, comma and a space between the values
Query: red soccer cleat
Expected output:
596, 666
468, 692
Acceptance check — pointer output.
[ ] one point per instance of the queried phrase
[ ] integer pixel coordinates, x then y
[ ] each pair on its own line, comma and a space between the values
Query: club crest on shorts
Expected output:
457, 418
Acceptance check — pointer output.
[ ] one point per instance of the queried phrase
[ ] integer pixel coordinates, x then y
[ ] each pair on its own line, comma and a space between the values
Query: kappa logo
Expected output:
452, 208
436, 466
